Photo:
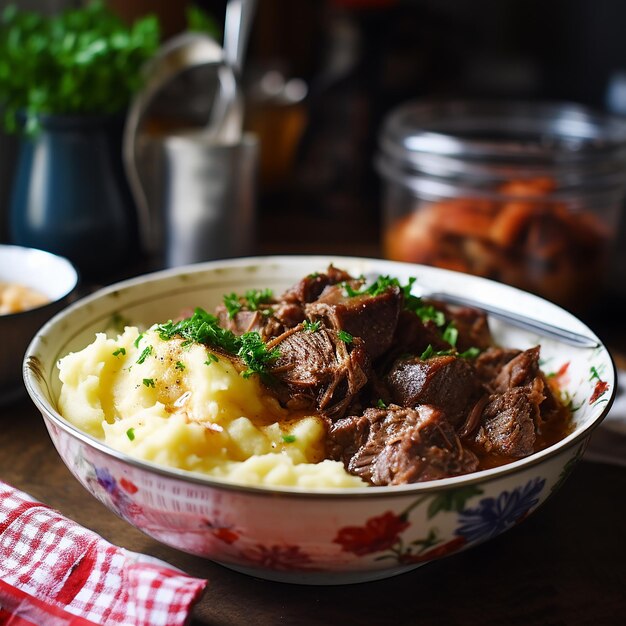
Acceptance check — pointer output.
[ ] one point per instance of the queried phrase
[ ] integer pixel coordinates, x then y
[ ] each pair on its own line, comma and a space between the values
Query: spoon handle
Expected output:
521, 321
238, 21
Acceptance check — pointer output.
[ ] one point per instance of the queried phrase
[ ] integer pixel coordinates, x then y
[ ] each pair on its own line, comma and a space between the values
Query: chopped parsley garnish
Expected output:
289, 438
470, 353
149, 382
350, 291
450, 334
426, 312
130, 433
202, 327
256, 297
254, 353
232, 304
380, 404
139, 338
345, 336
119, 351
311, 327
379, 286
430, 351
382, 284
252, 300
147, 351
212, 359
180, 365
427, 353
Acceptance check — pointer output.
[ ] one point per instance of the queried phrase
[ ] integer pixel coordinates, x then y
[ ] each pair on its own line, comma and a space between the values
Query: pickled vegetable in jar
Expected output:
529, 195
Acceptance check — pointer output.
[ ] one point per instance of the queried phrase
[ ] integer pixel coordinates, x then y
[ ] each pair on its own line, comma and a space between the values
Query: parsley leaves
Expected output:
232, 303
202, 327
147, 351
346, 337
450, 334
212, 359
254, 353
426, 312
311, 327
252, 300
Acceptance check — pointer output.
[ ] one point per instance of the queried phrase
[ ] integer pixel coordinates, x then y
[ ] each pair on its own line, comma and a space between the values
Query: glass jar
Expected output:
526, 194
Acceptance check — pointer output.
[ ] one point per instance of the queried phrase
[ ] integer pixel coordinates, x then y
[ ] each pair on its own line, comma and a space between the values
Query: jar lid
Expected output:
515, 131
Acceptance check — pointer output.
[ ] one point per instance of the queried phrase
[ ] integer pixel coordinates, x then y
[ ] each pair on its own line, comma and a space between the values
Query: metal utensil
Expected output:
178, 55
238, 21
514, 318
239, 14
519, 320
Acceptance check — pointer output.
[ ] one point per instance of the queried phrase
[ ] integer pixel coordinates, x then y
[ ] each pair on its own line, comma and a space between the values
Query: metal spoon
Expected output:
519, 320
514, 318
239, 14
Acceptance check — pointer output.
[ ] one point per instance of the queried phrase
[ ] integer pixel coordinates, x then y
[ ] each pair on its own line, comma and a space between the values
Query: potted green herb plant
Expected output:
65, 82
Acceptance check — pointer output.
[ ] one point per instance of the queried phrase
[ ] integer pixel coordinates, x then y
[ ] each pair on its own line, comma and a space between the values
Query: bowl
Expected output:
324, 536
52, 276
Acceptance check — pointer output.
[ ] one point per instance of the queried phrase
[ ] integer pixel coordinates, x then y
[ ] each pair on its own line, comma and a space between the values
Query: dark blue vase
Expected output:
70, 194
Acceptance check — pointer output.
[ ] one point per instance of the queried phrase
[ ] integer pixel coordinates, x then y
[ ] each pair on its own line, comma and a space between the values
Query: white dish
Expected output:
51, 275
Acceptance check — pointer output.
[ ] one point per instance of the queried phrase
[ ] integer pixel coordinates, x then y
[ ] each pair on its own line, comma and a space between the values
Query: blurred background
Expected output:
321, 75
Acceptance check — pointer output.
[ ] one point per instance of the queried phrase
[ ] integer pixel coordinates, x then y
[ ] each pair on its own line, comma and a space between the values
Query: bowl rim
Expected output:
73, 273
31, 370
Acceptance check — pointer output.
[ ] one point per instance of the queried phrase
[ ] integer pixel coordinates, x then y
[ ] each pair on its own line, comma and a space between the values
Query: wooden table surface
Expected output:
564, 565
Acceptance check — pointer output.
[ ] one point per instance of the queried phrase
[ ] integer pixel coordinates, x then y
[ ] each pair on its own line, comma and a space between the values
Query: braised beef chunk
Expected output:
241, 322
263, 322
346, 436
447, 382
520, 370
289, 314
489, 362
512, 414
373, 318
311, 286
508, 424
412, 336
321, 366
398, 445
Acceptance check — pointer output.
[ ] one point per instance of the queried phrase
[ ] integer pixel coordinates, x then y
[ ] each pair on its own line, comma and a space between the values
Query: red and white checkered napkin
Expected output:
54, 572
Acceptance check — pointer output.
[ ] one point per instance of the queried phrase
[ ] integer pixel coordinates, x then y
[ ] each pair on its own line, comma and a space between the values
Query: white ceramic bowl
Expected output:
326, 536
53, 276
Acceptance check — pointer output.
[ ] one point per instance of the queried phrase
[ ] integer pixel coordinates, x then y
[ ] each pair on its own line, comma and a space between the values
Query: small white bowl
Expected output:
51, 275
305, 536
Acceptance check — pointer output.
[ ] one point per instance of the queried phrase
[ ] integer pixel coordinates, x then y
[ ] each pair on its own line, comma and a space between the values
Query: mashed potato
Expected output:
185, 407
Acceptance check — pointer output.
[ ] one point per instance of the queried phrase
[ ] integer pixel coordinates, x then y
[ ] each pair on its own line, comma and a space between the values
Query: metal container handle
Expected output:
179, 54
